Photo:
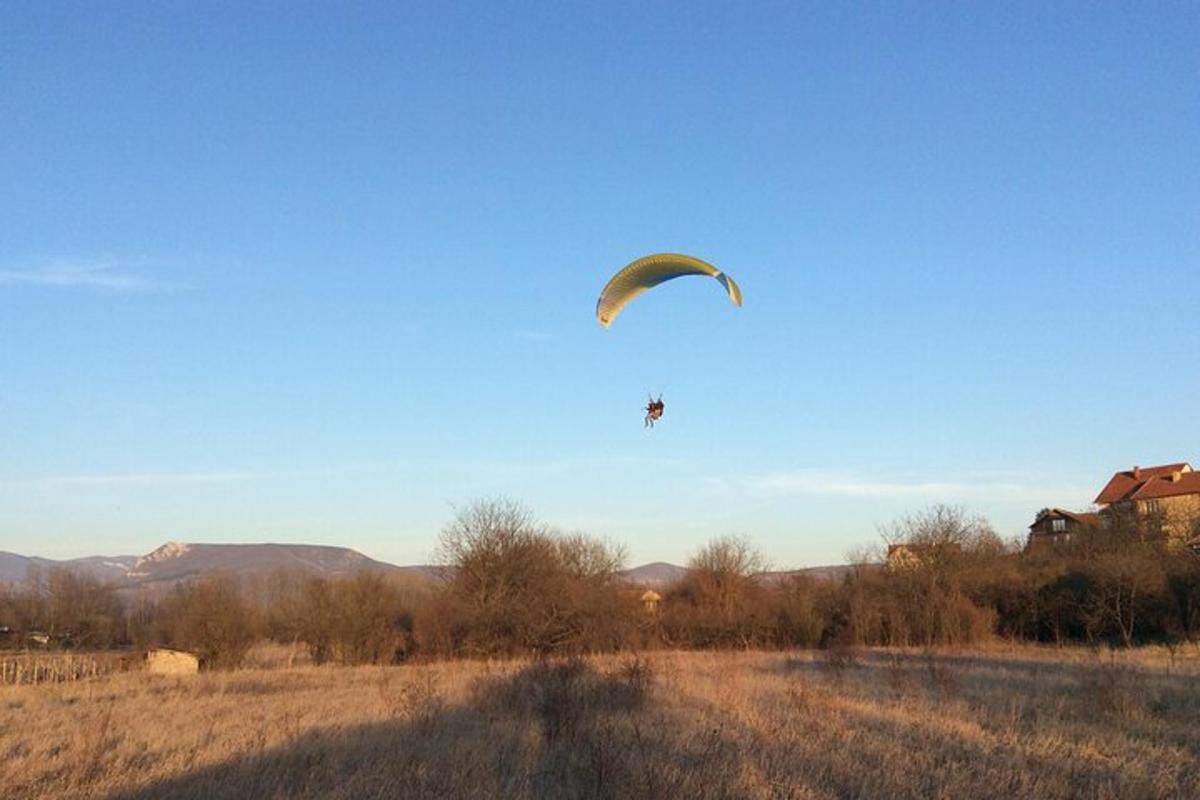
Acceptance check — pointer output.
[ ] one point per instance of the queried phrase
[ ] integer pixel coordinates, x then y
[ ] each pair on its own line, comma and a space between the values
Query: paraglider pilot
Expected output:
654, 412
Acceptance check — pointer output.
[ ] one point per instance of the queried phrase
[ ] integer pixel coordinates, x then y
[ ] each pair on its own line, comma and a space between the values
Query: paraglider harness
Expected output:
654, 412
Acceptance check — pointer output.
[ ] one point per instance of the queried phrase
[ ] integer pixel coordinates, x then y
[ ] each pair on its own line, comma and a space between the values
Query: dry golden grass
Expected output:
882, 724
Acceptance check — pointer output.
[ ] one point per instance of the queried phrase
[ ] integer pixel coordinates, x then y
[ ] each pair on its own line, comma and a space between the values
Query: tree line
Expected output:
512, 585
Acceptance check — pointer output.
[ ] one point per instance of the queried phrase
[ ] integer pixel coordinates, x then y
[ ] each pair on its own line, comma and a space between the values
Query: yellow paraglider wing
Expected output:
650, 271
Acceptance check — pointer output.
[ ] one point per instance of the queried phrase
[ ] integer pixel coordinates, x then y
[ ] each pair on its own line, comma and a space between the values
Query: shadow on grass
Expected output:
553, 730
567, 729
1016, 674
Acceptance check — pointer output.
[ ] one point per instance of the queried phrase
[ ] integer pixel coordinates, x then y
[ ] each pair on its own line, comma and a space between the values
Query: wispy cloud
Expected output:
145, 478
805, 482
548, 466
799, 483
109, 274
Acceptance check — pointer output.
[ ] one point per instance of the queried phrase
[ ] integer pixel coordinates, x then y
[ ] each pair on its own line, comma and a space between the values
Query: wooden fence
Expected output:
35, 668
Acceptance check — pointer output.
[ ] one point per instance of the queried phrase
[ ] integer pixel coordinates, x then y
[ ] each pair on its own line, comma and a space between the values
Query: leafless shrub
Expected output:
210, 618
799, 605
719, 603
515, 586
365, 618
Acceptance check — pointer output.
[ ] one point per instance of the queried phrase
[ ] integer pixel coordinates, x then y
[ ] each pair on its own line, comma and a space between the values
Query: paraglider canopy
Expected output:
650, 271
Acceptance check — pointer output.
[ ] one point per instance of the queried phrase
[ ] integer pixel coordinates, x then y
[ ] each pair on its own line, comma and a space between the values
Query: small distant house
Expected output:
161, 661
910, 556
901, 556
1168, 496
1058, 526
650, 600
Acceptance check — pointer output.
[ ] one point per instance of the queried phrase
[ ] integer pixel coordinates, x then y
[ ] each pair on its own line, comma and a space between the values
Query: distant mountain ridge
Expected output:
661, 573
830, 572
14, 568
180, 561
658, 573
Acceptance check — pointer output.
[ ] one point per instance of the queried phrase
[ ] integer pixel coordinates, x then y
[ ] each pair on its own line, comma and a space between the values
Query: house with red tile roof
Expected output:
1166, 496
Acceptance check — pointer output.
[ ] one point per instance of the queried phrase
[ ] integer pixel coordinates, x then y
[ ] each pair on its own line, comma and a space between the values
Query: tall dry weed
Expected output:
899, 678
411, 697
636, 674
95, 739
942, 676
840, 657
1113, 689
659, 725
799, 695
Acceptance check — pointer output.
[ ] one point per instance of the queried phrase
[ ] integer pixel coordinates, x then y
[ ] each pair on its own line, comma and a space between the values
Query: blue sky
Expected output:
279, 272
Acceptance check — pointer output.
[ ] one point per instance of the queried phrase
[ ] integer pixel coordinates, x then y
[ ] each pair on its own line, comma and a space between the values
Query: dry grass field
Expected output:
882, 724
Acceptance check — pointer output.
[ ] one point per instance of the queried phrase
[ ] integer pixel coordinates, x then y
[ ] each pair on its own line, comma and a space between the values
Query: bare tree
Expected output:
719, 602
943, 534
209, 617
82, 610
932, 598
513, 584
497, 554
588, 558
722, 570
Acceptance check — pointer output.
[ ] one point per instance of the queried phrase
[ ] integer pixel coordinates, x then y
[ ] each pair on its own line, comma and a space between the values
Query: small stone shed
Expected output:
650, 600
161, 661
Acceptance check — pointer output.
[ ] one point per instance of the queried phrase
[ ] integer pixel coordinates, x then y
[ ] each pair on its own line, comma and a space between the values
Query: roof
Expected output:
167, 652
1173, 485
1081, 517
1123, 485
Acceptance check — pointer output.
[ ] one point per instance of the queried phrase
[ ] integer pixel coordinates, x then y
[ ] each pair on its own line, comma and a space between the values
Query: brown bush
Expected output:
721, 602
516, 586
366, 618
210, 618
74, 609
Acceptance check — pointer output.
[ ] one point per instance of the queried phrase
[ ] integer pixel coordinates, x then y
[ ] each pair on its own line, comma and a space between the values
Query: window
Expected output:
1152, 507
1058, 525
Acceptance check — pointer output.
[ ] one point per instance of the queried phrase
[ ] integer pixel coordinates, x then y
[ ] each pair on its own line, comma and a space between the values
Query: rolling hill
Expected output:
15, 568
181, 561
657, 574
